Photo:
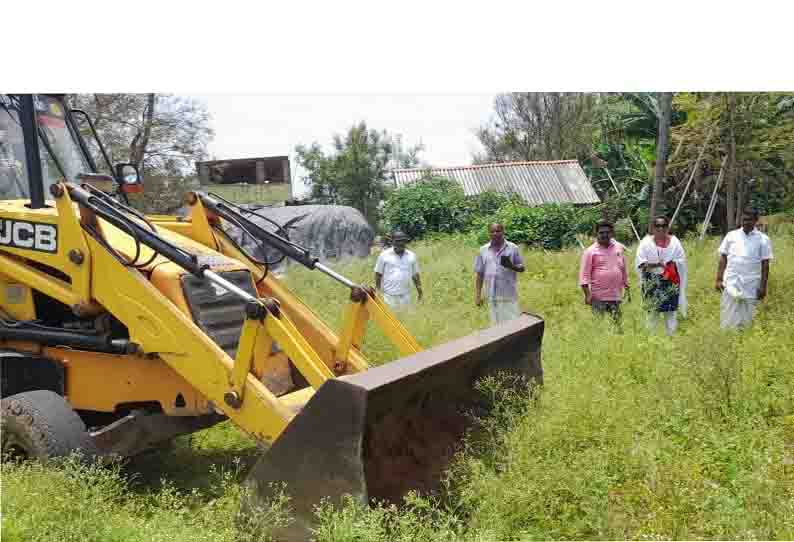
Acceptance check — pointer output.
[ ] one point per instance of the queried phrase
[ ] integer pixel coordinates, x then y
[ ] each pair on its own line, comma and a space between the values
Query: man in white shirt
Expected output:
743, 272
395, 269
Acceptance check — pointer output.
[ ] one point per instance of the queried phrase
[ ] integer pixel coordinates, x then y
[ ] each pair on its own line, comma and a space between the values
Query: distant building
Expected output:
559, 181
262, 170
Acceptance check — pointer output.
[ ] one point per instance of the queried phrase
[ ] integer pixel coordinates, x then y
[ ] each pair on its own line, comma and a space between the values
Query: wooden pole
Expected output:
713, 202
665, 100
691, 176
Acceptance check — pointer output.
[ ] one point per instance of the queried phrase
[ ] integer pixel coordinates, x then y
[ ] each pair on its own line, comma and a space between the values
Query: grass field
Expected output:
636, 435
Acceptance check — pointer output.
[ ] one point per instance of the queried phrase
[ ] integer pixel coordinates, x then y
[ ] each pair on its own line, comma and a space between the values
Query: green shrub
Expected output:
780, 223
437, 205
587, 218
623, 231
432, 205
489, 202
641, 220
550, 226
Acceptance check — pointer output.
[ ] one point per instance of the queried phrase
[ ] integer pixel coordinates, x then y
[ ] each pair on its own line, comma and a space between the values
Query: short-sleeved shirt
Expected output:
499, 281
397, 270
603, 269
745, 252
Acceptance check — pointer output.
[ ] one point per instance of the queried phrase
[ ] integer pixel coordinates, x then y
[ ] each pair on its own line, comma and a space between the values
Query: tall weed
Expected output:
634, 435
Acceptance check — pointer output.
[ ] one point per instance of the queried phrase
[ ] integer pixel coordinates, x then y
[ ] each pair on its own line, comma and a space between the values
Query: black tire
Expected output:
41, 425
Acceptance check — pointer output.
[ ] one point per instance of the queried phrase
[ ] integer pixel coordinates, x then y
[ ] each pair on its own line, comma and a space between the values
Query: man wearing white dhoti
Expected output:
743, 272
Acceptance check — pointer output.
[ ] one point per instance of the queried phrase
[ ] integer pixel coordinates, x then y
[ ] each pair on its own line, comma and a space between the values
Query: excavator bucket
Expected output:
390, 429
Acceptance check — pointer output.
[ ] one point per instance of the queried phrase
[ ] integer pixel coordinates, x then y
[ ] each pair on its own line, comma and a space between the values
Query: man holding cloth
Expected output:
497, 266
602, 273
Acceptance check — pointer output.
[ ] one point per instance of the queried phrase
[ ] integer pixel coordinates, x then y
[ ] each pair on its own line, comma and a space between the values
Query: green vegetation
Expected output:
436, 205
165, 195
618, 132
356, 171
432, 205
250, 193
636, 436
548, 226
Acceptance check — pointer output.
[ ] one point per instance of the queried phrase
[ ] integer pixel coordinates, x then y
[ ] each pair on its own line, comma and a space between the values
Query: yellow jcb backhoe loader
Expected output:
119, 331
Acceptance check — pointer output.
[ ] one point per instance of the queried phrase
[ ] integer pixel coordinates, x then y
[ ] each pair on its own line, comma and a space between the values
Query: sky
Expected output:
248, 125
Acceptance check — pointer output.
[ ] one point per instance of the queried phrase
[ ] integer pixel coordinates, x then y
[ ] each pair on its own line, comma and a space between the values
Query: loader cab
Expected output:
41, 144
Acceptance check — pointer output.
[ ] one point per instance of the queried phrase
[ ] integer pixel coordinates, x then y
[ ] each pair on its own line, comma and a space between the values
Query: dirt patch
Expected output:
410, 452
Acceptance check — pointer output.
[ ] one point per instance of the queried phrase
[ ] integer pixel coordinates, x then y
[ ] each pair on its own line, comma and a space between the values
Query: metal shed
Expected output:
558, 181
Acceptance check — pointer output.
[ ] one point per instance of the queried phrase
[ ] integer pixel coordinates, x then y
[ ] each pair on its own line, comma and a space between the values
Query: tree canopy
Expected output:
355, 172
616, 136
538, 126
162, 134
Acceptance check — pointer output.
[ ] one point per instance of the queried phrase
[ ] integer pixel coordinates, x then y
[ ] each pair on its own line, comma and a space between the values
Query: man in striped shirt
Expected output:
497, 266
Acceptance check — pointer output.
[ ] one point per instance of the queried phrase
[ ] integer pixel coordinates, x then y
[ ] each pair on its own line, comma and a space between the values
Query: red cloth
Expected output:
671, 273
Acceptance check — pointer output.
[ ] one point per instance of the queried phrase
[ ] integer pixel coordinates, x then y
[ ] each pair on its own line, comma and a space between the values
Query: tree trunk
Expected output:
731, 173
141, 139
99, 116
662, 142
743, 191
740, 196
542, 140
558, 121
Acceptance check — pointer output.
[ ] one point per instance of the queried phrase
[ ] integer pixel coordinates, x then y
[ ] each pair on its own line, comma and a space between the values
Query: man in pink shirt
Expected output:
603, 275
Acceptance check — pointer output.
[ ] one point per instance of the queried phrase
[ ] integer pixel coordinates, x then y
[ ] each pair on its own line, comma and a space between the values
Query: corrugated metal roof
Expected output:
558, 181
